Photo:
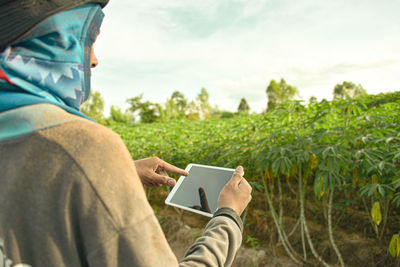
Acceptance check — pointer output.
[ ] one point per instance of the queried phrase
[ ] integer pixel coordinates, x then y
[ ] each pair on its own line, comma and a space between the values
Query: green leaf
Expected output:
376, 213
319, 187
381, 165
396, 183
394, 246
396, 199
398, 246
256, 186
381, 190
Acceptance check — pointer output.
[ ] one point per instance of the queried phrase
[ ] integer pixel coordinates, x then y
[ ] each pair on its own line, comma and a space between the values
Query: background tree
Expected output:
117, 115
94, 107
225, 114
312, 99
193, 111
204, 105
216, 112
347, 90
180, 101
243, 106
147, 111
175, 107
279, 93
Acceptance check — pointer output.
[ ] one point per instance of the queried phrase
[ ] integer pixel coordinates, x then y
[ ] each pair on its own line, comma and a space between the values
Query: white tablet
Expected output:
199, 191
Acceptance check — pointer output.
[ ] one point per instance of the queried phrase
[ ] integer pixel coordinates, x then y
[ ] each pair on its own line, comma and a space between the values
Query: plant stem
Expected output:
294, 227
303, 220
303, 242
335, 248
280, 201
290, 186
324, 209
369, 218
288, 248
386, 208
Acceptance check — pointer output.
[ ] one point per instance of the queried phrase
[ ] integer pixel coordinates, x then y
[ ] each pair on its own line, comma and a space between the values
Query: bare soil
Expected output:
352, 233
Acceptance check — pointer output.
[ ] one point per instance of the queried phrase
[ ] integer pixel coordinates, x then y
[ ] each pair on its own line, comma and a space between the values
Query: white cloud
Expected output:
234, 48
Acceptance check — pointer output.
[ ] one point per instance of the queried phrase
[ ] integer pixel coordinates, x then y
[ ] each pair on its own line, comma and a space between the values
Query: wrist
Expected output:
230, 213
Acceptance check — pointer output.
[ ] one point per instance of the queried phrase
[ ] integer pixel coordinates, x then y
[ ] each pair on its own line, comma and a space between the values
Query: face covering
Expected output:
51, 64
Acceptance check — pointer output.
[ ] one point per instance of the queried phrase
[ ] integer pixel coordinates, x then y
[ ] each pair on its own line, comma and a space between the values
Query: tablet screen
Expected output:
199, 191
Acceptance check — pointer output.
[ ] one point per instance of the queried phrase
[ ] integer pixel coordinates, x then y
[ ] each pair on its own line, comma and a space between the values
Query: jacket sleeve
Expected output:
218, 245
121, 225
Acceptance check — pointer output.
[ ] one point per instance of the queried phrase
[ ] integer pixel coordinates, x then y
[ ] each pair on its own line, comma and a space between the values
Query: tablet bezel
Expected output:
176, 187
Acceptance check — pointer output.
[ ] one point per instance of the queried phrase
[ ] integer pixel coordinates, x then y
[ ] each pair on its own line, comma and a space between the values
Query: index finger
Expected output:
171, 168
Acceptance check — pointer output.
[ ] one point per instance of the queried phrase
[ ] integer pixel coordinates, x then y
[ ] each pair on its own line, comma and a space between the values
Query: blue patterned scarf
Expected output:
52, 63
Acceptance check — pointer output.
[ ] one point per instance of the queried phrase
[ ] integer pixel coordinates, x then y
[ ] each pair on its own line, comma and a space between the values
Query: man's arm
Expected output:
220, 242
120, 223
144, 243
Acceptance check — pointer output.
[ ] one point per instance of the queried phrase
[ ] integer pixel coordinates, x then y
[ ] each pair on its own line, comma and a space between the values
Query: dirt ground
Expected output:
180, 236
353, 235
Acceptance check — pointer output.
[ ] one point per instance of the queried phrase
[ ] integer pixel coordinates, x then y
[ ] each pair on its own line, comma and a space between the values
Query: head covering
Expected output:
51, 63
18, 17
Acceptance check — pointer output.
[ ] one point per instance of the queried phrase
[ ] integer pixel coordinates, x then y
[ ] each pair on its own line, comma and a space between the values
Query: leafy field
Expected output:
322, 174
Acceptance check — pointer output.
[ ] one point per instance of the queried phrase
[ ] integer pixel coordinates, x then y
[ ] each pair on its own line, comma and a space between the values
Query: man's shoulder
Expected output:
78, 135
50, 133
53, 123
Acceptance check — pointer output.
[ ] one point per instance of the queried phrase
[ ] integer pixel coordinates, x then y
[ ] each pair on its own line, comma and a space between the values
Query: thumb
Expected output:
240, 170
237, 175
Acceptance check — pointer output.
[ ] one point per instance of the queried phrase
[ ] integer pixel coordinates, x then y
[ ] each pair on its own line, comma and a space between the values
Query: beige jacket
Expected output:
70, 196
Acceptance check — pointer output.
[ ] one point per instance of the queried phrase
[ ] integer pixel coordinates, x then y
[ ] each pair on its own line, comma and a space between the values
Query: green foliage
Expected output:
253, 242
175, 107
348, 90
147, 111
396, 199
179, 100
312, 99
394, 246
117, 115
280, 93
243, 106
376, 213
319, 187
350, 145
193, 111
226, 114
336, 142
94, 107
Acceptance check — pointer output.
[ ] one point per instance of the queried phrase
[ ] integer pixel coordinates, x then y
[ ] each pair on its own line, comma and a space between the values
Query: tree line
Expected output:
178, 107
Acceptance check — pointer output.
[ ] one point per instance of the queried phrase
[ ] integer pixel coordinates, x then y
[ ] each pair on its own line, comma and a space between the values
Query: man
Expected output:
70, 193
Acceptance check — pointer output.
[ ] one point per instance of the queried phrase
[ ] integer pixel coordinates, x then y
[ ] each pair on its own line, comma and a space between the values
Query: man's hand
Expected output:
236, 194
153, 171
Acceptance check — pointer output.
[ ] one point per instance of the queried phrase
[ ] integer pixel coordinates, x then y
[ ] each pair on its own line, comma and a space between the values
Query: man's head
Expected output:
19, 17
93, 59
52, 60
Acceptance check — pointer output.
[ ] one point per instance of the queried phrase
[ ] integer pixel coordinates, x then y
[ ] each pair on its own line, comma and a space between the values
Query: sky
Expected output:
234, 48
